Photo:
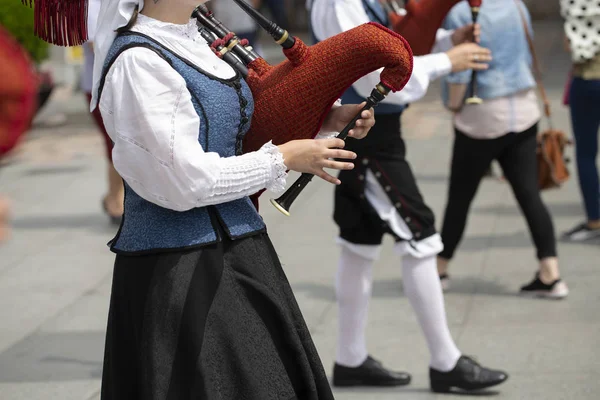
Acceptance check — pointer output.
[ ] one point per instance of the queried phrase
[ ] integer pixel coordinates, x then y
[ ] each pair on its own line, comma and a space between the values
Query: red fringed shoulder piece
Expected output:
60, 22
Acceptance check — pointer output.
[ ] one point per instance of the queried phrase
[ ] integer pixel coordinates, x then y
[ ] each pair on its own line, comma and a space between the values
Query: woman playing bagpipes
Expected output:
200, 306
380, 196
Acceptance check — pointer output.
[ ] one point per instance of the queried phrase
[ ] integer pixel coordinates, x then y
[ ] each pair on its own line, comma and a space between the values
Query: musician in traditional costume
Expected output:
381, 196
200, 306
18, 93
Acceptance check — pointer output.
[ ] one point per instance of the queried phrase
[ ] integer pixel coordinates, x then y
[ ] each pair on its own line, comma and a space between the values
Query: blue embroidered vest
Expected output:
225, 108
377, 14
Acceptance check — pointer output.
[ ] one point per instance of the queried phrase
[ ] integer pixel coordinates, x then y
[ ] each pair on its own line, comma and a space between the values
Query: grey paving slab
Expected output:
58, 390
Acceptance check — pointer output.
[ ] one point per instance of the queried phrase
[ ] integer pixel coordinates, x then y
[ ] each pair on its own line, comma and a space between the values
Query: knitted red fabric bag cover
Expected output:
293, 98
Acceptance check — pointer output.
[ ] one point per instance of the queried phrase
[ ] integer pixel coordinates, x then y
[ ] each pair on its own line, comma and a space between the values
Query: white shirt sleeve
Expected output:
443, 41
149, 115
92, 17
329, 18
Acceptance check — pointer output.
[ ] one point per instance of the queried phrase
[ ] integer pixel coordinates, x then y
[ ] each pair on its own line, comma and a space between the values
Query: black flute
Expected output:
473, 97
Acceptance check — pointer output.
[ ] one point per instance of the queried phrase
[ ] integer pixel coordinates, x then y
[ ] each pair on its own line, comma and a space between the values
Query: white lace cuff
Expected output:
326, 135
278, 169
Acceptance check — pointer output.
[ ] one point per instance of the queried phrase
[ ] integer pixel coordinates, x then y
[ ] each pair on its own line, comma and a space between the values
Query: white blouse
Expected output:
149, 115
331, 17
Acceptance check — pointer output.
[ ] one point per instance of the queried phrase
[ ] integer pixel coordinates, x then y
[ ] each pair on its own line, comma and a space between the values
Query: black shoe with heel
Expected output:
466, 375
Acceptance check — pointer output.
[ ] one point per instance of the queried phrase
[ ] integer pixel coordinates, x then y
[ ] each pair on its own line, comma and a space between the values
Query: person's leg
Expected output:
4, 217
424, 292
519, 164
470, 160
113, 200
360, 239
394, 194
585, 120
353, 284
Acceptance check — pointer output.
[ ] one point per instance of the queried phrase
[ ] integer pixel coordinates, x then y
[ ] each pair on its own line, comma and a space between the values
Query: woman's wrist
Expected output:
279, 170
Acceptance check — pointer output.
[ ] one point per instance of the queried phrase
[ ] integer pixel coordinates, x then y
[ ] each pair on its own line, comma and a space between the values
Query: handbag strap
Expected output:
537, 71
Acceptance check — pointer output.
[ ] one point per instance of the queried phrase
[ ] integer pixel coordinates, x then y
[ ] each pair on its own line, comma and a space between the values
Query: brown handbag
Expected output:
551, 160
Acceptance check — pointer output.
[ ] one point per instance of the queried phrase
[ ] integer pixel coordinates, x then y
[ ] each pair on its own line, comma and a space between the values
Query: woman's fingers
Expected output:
478, 66
328, 178
340, 165
333, 143
340, 154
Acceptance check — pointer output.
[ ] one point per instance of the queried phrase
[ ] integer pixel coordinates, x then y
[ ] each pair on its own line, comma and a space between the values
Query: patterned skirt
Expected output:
215, 323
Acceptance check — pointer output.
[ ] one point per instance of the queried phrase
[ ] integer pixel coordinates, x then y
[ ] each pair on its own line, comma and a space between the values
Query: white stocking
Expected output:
353, 290
424, 292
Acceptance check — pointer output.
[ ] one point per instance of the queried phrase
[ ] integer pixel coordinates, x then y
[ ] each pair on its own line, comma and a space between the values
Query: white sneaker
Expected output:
581, 233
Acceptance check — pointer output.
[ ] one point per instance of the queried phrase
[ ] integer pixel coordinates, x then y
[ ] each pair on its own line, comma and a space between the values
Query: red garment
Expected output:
18, 92
108, 144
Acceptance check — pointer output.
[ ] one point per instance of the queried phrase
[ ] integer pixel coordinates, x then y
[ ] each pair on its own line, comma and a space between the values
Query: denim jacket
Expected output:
502, 32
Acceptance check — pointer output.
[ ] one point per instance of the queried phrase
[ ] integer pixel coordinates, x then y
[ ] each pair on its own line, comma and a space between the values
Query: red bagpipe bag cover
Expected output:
18, 92
292, 99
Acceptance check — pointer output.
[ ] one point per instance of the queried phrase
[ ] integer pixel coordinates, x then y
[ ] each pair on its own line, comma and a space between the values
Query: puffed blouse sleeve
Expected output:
149, 115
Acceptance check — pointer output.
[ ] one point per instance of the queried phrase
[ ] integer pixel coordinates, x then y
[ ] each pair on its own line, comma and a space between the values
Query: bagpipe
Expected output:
293, 98
18, 92
418, 24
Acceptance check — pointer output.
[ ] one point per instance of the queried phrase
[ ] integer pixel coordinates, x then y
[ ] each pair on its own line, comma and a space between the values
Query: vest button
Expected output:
378, 174
361, 177
365, 161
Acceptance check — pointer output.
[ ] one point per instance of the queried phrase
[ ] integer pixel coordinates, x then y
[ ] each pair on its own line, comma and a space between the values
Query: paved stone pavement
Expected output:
55, 273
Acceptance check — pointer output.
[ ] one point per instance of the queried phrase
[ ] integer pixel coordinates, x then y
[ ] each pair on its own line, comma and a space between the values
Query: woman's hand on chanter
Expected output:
312, 156
469, 56
339, 117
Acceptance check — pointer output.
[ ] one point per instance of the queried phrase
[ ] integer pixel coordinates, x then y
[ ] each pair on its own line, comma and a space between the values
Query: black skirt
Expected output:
217, 323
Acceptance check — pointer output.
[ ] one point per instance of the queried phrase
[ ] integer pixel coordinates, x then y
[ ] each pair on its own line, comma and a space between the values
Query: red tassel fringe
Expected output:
60, 22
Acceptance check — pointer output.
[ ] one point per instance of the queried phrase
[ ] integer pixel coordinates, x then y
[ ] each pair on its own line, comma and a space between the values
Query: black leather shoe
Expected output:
369, 373
466, 375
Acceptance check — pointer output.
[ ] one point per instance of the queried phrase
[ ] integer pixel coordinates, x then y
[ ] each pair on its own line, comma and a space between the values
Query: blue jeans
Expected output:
584, 98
